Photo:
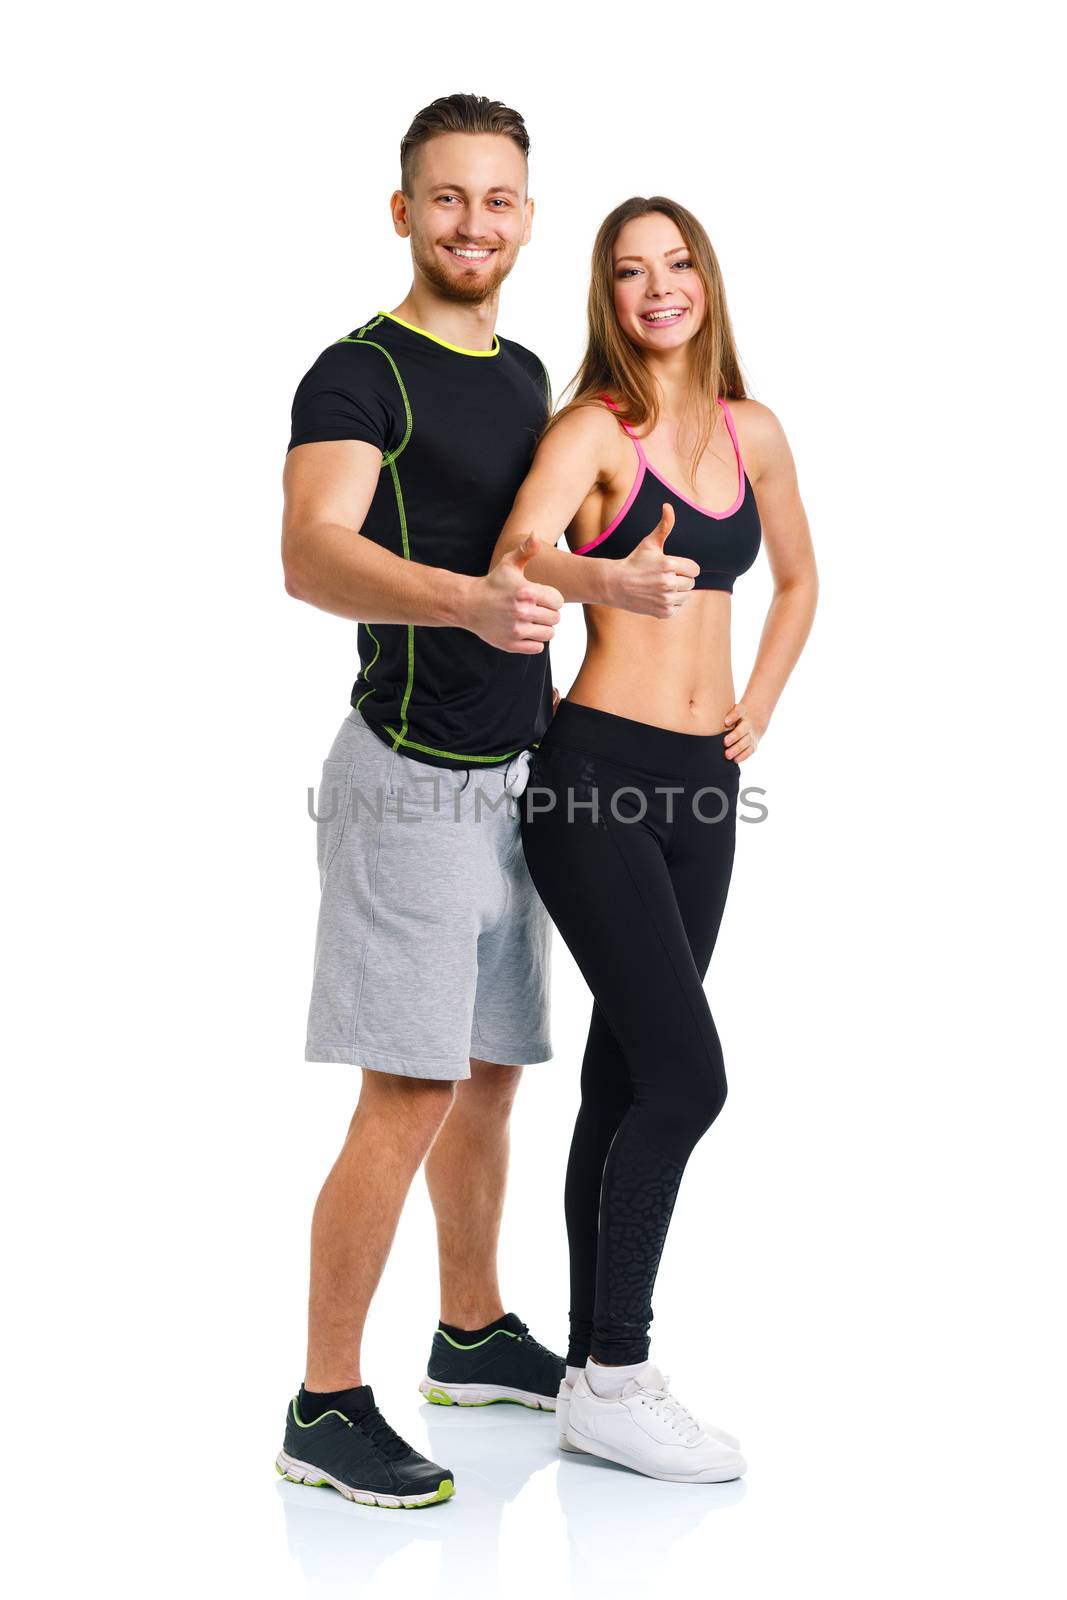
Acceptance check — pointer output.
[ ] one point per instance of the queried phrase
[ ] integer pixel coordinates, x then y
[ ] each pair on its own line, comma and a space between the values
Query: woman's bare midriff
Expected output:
673, 673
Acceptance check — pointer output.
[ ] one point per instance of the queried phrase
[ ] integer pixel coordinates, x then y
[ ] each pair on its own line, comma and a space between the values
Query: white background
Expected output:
862, 1277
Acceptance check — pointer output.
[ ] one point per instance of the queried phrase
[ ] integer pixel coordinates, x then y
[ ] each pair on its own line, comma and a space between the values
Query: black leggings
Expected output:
636, 887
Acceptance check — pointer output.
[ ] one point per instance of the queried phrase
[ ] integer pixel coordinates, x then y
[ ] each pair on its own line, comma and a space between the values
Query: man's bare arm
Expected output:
329, 563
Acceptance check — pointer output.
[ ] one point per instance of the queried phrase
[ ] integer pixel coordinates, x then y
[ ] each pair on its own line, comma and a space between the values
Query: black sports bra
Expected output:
723, 543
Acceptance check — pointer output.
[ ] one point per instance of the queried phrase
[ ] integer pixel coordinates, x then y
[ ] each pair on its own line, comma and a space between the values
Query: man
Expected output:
410, 439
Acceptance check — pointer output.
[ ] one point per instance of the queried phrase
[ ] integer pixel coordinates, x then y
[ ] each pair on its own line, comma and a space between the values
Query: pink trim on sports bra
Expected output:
645, 465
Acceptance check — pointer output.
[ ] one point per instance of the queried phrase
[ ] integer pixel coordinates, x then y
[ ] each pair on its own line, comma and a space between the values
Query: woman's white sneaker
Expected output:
647, 1429
563, 1409
563, 1406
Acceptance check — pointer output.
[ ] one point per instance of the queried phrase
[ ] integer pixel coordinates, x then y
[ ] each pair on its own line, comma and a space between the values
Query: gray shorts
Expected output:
432, 944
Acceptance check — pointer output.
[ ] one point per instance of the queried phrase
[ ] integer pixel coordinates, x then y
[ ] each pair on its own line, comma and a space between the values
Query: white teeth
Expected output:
663, 316
469, 255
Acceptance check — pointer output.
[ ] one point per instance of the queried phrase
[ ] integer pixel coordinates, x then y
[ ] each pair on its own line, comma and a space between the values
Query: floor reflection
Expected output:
493, 1451
619, 1525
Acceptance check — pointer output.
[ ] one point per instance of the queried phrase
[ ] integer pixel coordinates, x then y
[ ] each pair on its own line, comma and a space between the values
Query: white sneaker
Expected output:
647, 1429
563, 1409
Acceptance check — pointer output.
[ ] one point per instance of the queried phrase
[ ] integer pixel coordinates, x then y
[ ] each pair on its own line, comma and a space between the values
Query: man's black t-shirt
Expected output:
457, 431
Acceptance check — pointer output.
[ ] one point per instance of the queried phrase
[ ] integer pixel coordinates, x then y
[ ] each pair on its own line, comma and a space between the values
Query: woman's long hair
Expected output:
611, 363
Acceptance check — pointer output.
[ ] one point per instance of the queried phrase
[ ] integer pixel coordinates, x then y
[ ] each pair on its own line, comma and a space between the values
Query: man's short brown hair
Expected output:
458, 113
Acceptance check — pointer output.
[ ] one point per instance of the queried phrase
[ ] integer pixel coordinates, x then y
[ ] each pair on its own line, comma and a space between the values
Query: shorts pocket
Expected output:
421, 793
331, 812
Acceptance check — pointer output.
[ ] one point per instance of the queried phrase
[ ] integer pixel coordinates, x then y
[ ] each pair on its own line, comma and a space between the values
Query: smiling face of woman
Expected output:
660, 300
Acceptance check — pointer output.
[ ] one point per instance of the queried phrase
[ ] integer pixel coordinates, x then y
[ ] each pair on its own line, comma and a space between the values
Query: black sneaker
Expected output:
508, 1364
361, 1457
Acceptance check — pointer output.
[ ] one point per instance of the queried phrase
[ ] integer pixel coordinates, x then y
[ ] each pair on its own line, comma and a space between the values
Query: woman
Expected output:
628, 825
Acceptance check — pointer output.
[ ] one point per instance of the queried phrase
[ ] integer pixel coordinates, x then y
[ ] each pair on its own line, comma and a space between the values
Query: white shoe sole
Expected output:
724, 1474
482, 1394
302, 1472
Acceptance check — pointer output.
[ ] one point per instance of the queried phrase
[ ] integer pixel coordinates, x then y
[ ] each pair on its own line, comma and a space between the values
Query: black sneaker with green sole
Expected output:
508, 1364
362, 1458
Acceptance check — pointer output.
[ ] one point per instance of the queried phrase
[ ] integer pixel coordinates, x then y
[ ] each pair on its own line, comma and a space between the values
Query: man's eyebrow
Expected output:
666, 253
496, 188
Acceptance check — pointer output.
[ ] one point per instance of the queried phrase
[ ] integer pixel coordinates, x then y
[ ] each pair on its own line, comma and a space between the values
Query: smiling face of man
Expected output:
468, 214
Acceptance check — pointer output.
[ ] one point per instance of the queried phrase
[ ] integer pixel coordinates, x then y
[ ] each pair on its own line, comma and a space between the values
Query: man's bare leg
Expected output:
466, 1174
355, 1219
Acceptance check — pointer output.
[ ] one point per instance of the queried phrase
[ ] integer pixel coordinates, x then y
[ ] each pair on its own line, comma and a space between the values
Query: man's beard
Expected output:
472, 293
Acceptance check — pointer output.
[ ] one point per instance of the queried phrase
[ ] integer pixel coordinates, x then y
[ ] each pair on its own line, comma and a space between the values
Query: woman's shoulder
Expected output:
587, 422
760, 435
591, 411
587, 440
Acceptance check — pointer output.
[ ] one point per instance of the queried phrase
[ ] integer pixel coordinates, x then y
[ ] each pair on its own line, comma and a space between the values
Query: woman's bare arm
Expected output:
330, 563
571, 460
787, 540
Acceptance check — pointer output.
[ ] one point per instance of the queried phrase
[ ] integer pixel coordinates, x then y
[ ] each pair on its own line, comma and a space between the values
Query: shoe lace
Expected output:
671, 1409
527, 1338
384, 1438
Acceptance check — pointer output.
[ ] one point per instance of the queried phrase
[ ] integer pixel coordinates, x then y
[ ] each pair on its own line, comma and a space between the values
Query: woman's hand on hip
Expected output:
743, 733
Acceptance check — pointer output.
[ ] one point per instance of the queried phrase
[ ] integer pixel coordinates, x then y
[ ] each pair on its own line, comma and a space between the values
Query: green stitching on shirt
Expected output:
452, 755
368, 344
389, 460
399, 737
548, 387
411, 627
370, 663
